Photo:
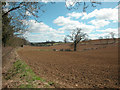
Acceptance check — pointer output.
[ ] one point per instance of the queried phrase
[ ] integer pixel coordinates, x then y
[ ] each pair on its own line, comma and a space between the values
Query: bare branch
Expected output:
75, 5
77, 36
13, 9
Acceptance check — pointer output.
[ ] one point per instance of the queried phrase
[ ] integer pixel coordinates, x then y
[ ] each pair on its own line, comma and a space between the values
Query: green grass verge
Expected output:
24, 73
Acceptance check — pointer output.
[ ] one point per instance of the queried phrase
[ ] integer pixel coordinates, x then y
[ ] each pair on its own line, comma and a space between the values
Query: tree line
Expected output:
9, 38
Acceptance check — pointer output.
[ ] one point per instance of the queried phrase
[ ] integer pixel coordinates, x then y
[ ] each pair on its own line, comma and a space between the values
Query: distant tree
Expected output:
65, 40
52, 43
113, 36
100, 38
77, 36
107, 39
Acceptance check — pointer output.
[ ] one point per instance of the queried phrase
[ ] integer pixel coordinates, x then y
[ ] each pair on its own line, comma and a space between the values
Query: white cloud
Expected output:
102, 18
40, 32
61, 21
7, 4
69, 24
45, 1
36, 27
119, 13
6, 8
103, 14
44, 37
70, 3
75, 14
103, 33
108, 30
96, 36
118, 7
28, 13
99, 23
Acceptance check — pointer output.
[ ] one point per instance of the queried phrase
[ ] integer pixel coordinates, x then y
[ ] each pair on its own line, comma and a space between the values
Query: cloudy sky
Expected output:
57, 22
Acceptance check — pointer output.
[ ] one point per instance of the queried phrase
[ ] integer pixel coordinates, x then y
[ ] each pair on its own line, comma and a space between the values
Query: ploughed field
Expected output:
88, 68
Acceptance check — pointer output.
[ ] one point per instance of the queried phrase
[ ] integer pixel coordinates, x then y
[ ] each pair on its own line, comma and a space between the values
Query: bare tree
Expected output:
77, 36
113, 36
100, 38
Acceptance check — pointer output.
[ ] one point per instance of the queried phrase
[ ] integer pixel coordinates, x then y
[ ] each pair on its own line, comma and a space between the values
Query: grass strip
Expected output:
22, 72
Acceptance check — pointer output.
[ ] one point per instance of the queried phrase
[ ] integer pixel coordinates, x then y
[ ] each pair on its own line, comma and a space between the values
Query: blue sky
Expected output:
58, 21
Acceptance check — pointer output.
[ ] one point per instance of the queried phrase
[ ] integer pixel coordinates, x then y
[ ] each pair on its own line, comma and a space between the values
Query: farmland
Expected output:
91, 66
67, 44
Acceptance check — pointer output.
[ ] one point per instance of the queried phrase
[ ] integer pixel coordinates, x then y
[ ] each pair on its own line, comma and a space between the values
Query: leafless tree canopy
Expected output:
22, 7
19, 11
77, 36
75, 5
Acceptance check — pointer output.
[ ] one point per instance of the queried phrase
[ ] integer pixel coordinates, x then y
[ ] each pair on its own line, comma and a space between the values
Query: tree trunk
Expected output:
75, 45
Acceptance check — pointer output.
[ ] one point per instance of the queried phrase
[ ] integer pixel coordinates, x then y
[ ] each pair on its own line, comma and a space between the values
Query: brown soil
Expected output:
86, 68
11, 78
8, 58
